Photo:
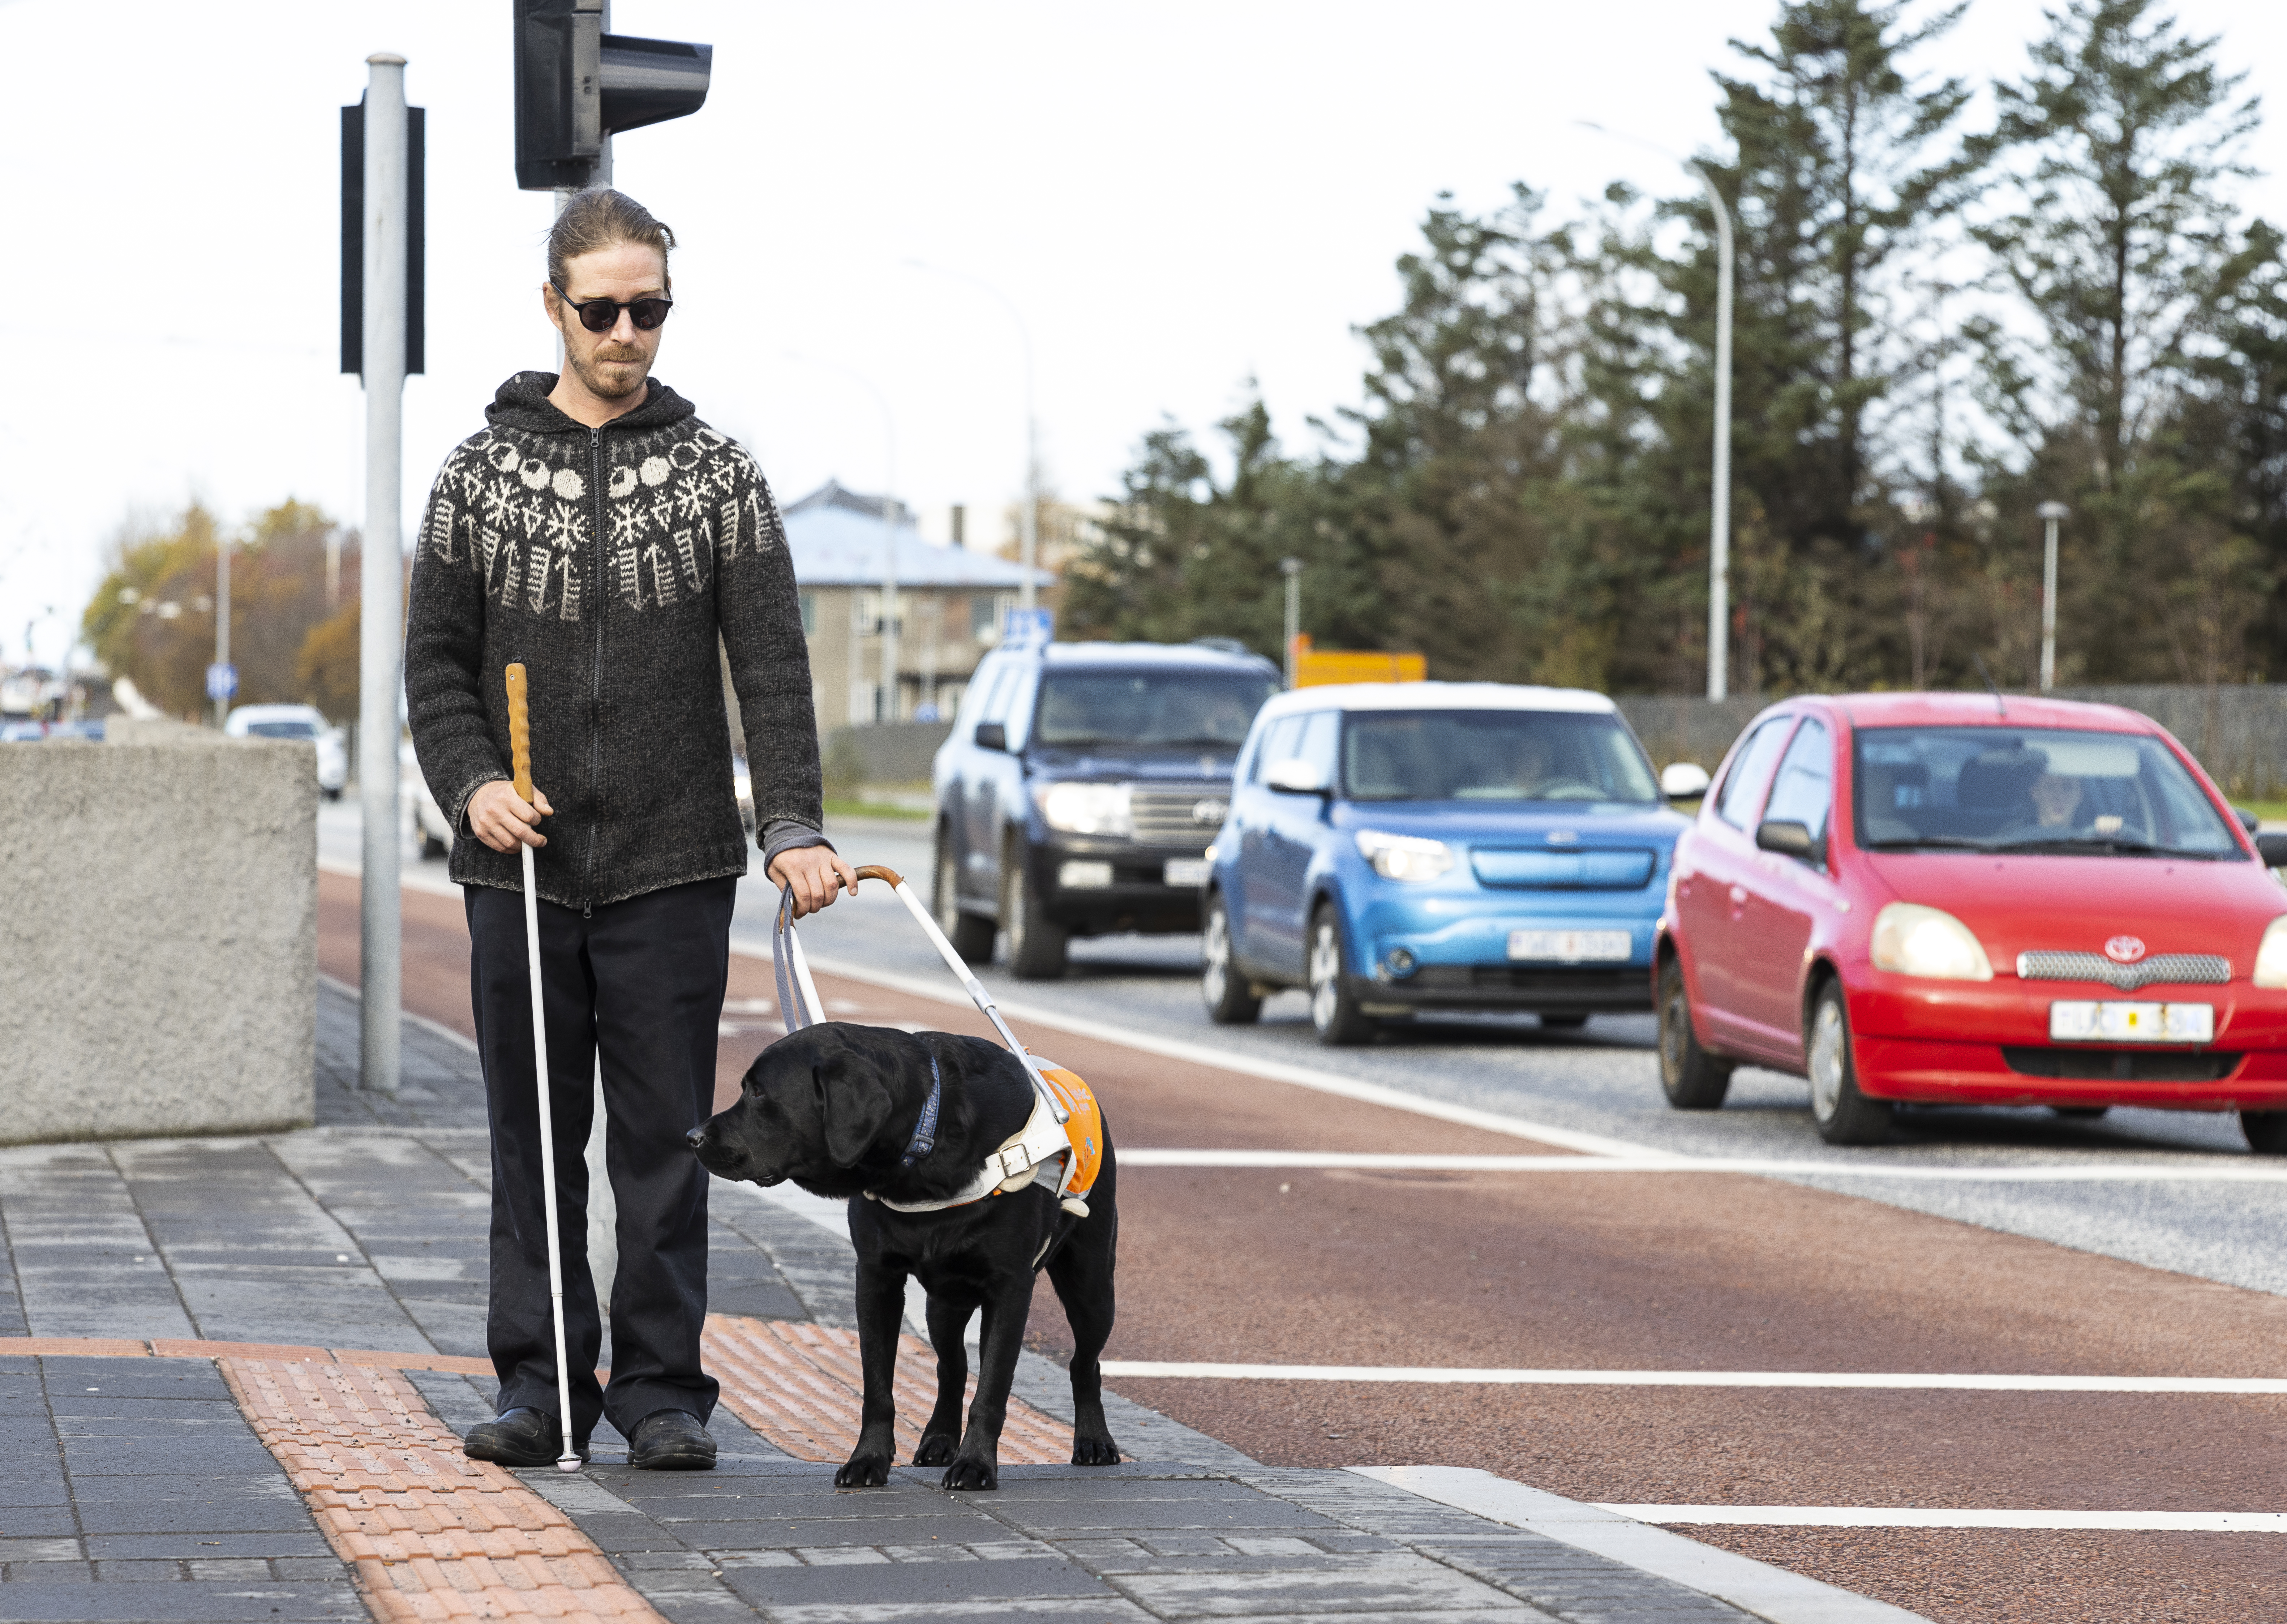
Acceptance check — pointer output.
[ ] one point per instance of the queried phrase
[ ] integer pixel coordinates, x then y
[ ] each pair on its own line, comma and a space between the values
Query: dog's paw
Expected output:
967, 1472
863, 1471
935, 1449
1099, 1450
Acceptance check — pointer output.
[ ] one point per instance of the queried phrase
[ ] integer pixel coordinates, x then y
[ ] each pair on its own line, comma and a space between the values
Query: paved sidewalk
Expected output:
231, 1373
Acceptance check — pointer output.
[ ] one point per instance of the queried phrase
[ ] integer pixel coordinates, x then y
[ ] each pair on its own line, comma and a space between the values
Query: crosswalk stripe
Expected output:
1922, 1381
1938, 1517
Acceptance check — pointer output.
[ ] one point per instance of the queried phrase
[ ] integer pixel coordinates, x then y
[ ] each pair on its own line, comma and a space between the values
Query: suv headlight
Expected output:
1913, 940
1085, 809
1405, 857
2271, 957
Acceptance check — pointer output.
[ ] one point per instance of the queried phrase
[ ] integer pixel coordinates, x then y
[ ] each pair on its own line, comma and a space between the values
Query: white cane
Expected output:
519, 744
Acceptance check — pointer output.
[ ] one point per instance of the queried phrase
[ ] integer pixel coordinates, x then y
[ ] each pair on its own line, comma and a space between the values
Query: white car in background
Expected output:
430, 828
436, 834
298, 722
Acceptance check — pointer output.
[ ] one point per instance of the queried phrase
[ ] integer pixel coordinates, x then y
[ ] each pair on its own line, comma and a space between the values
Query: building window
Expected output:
810, 614
988, 613
865, 614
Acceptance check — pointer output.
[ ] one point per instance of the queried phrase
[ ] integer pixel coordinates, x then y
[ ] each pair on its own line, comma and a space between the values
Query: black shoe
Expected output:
521, 1437
671, 1441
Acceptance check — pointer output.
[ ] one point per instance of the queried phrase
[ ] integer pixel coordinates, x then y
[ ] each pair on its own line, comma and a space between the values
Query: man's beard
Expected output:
626, 374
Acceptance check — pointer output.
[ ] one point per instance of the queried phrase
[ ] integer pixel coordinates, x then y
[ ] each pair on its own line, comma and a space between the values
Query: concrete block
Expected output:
158, 918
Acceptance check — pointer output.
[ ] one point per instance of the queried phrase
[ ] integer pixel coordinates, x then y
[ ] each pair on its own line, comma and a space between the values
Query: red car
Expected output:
1958, 900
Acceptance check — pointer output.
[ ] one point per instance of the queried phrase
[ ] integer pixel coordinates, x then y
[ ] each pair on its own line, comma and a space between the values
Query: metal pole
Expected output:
381, 618
1029, 527
1718, 521
2050, 514
1292, 568
222, 623
1026, 591
889, 606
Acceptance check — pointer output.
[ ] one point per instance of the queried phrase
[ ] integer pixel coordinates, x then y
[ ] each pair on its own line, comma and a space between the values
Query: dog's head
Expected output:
812, 1107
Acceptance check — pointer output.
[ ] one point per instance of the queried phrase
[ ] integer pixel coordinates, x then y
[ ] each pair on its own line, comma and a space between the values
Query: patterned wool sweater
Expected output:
607, 561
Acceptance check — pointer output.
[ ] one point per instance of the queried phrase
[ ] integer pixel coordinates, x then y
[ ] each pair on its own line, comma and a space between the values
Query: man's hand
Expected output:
504, 820
816, 873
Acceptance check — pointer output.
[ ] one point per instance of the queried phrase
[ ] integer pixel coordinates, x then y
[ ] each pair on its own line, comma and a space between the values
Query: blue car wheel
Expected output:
1333, 1009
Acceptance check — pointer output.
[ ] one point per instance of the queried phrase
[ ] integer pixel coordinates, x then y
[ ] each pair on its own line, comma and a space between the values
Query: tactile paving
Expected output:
432, 1534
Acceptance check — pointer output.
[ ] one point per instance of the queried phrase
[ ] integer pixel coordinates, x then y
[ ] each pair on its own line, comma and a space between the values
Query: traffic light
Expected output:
575, 84
416, 121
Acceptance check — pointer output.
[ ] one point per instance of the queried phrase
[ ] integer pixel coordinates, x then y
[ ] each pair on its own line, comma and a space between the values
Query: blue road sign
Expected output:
1028, 628
222, 681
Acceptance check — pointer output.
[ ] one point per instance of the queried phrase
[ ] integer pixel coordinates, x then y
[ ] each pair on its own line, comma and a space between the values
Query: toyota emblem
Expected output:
1210, 811
2124, 949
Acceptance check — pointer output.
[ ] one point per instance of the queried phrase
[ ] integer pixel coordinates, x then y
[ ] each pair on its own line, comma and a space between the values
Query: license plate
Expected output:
2112, 1022
1186, 871
1570, 947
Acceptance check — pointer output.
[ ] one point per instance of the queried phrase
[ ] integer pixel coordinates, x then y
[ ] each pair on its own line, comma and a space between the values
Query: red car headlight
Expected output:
2271, 957
1913, 940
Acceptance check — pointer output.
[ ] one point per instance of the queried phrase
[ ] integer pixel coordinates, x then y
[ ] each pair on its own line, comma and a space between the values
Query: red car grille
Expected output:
2179, 968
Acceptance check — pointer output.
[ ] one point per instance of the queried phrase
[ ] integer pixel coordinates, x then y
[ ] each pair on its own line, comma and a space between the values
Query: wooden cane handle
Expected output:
520, 734
874, 871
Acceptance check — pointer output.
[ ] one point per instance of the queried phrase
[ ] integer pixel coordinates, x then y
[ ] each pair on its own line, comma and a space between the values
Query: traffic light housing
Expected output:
416, 121
575, 84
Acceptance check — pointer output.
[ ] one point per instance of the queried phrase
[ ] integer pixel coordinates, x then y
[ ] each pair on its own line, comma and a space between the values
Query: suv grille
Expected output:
2181, 968
1169, 814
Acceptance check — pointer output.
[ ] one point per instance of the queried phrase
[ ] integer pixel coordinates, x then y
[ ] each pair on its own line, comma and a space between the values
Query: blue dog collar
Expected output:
924, 1139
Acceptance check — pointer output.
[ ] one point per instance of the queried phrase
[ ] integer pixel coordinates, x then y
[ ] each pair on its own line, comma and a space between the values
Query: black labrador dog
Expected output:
835, 1107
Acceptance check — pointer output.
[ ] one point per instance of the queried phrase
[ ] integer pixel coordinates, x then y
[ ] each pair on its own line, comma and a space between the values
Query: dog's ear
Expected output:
853, 1104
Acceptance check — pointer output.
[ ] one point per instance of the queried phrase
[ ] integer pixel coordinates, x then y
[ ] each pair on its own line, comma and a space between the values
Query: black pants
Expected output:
642, 982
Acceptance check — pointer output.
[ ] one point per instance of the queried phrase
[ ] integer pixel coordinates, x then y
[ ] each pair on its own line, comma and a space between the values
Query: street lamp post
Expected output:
890, 510
1718, 522
2050, 512
222, 622
1292, 568
1719, 518
1029, 531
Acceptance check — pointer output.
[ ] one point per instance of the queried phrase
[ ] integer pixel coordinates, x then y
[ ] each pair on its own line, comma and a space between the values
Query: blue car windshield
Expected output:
1492, 756
2036, 790
1206, 710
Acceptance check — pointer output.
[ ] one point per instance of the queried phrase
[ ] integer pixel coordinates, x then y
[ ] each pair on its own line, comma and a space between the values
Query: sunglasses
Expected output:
601, 315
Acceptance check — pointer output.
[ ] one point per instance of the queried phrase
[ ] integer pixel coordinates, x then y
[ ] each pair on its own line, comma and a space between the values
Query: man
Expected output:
602, 535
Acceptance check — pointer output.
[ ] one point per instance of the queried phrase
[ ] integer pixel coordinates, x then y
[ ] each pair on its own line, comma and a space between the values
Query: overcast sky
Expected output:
1178, 196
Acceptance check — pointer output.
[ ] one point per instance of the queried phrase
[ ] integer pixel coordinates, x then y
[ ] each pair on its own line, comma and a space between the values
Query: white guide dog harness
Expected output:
1066, 1128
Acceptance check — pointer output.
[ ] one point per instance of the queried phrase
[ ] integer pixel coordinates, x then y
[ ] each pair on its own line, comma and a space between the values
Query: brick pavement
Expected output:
161, 1469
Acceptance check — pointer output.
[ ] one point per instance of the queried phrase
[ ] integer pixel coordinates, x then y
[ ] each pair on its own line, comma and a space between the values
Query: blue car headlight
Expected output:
1405, 857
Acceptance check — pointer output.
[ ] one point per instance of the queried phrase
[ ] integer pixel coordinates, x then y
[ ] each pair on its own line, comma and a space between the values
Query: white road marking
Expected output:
1222, 1059
1921, 1380
2221, 1169
1767, 1592
1927, 1516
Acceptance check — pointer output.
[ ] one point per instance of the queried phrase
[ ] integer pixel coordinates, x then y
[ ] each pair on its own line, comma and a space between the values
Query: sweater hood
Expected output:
522, 403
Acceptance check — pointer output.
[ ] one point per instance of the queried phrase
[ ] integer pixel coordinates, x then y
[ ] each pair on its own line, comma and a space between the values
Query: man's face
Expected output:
614, 363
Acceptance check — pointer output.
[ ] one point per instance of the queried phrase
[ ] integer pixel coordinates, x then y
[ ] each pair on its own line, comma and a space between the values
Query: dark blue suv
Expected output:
1080, 788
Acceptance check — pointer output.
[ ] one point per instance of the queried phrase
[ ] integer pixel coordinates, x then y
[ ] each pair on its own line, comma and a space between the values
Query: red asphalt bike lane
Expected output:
1641, 1271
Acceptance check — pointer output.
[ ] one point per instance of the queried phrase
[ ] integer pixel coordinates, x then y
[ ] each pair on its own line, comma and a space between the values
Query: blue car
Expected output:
1396, 847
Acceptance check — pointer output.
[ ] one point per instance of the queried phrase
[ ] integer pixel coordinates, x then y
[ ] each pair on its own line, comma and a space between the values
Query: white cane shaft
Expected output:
804, 985
979, 996
547, 1151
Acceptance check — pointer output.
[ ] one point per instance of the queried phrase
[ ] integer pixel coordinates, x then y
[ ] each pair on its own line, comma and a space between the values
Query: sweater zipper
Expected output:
596, 698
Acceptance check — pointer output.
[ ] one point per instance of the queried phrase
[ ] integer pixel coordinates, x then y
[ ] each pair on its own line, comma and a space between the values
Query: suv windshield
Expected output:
1210, 710
2031, 789
281, 730
1492, 755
